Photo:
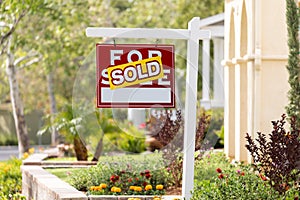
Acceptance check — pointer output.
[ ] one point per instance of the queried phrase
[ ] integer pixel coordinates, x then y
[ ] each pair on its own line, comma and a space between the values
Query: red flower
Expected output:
129, 180
136, 178
262, 177
145, 183
242, 173
123, 172
142, 173
148, 176
114, 178
219, 170
221, 176
147, 172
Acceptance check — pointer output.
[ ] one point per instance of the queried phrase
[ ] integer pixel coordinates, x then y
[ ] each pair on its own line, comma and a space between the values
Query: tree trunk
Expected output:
80, 149
17, 104
99, 149
53, 108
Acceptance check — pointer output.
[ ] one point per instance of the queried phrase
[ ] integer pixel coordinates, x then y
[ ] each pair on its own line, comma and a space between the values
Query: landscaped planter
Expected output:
39, 184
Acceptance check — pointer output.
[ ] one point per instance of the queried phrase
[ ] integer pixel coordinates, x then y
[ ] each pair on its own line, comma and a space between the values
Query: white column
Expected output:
190, 108
218, 87
205, 101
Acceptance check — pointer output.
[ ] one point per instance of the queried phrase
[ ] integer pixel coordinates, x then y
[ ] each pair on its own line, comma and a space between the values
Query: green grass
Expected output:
63, 173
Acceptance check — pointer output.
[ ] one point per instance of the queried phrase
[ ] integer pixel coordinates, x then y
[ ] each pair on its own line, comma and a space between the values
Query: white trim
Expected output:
136, 95
158, 33
212, 20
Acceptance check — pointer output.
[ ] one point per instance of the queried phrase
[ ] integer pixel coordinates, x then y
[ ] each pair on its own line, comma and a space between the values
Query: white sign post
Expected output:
193, 34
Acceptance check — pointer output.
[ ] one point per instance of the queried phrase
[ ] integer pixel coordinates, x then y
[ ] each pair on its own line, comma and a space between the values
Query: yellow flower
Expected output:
31, 150
98, 188
159, 187
132, 187
138, 189
117, 189
92, 188
7, 168
25, 155
148, 187
103, 185
131, 198
113, 189
156, 198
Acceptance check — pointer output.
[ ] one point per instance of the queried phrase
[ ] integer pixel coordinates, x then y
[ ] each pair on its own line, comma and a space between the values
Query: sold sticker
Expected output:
135, 72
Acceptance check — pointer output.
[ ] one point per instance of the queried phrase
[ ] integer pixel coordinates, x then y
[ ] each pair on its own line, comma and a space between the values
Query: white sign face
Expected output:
135, 76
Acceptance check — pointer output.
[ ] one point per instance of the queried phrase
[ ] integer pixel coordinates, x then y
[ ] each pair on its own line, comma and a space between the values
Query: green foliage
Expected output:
215, 132
122, 172
292, 20
133, 140
11, 180
6, 139
205, 168
234, 184
216, 178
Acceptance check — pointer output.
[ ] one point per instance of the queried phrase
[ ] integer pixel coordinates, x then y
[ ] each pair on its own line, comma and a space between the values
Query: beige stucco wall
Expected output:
255, 74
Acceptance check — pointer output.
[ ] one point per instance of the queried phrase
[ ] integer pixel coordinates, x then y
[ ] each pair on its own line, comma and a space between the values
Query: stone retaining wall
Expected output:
38, 184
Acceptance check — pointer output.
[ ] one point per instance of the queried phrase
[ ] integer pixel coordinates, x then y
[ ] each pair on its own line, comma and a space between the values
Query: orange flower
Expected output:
103, 185
159, 187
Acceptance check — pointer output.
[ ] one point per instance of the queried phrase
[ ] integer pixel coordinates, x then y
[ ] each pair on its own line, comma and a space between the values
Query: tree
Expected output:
292, 20
12, 12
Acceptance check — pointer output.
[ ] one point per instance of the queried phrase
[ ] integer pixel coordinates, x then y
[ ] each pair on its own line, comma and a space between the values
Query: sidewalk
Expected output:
7, 152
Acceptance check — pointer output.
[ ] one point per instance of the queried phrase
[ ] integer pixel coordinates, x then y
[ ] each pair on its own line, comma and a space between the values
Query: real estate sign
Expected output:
135, 75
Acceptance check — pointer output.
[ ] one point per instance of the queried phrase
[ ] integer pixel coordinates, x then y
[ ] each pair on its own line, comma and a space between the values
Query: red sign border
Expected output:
137, 105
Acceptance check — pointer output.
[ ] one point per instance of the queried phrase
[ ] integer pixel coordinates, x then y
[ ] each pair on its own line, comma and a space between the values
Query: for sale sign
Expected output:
135, 75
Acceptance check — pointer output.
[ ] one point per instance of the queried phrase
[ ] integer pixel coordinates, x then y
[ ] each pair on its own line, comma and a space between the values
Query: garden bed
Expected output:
215, 178
39, 183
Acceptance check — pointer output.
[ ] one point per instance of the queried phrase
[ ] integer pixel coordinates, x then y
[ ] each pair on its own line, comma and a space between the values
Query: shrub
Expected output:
205, 168
11, 180
169, 132
277, 158
292, 20
234, 183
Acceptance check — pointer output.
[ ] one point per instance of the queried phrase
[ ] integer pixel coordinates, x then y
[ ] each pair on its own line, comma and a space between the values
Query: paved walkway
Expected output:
6, 152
